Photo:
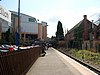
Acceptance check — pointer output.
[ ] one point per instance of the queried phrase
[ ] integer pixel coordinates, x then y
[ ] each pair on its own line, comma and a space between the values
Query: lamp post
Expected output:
19, 17
18, 33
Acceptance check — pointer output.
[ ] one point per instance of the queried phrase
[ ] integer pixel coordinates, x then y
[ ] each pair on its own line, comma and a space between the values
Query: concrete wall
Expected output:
39, 30
26, 26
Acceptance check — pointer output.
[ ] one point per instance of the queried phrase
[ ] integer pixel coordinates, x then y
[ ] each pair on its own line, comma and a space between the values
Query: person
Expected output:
43, 49
47, 45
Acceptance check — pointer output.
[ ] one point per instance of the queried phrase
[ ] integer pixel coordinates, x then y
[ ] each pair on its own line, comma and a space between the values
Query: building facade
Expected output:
44, 30
5, 20
84, 35
30, 29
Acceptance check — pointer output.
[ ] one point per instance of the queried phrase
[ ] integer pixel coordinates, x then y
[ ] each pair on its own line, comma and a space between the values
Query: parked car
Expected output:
36, 43
7, 48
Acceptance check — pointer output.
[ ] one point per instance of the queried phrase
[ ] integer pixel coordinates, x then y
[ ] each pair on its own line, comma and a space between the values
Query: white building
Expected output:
29, 27
5, 20
29, 24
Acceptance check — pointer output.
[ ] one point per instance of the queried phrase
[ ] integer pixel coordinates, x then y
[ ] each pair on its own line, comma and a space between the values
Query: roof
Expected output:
77, 25
16, 13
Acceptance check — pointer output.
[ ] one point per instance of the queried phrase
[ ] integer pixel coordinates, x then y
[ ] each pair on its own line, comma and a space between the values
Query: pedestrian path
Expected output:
56, 63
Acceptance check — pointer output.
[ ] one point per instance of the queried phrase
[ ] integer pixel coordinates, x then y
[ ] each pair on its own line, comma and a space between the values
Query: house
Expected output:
84, 35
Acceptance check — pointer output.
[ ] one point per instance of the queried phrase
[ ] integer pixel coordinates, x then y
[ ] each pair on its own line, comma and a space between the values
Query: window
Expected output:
22, 35
32, 19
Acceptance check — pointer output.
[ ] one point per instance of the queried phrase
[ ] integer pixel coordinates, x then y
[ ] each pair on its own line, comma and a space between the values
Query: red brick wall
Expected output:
85, 33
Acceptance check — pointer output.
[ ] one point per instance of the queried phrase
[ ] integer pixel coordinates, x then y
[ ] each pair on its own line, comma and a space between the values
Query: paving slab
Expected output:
56, 63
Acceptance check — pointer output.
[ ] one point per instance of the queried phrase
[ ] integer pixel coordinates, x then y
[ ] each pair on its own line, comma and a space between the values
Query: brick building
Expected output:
84, 35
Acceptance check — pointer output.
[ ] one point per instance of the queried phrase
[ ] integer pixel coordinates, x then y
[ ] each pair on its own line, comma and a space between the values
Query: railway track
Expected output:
87, 65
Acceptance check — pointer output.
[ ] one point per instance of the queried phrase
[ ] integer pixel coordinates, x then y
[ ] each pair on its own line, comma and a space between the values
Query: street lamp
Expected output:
18, 33
19, 17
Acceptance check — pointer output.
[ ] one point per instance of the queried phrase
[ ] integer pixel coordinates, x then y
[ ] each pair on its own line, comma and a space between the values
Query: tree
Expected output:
59, 33
7, 38
7, 35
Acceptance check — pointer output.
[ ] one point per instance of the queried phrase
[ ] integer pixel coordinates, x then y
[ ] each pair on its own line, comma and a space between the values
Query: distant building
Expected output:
84, 35
30, 29
5, 20
42, 30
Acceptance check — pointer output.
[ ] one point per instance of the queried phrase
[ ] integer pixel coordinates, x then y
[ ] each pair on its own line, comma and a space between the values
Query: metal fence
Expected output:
18, 63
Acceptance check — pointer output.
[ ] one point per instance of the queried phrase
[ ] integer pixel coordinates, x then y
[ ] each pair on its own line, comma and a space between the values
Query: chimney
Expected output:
85, 28
85, 16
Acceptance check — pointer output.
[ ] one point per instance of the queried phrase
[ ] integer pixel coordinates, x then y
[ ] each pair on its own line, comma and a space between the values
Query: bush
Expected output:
61, 43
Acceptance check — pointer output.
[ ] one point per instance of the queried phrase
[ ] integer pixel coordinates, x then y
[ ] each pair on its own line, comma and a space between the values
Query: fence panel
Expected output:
18, 63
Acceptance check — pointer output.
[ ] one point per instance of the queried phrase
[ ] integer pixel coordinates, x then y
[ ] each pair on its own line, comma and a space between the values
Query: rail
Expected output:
87, 65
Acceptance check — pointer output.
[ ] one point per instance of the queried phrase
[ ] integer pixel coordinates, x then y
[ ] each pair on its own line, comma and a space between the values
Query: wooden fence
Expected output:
18, 63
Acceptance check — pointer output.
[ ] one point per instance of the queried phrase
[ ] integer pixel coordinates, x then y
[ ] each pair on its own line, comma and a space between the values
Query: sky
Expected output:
69, 12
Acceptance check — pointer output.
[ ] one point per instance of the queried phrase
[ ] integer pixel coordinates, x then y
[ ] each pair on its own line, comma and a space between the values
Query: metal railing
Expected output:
18, 63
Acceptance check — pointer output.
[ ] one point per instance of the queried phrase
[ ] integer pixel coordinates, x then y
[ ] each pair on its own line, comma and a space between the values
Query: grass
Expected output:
86, 56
